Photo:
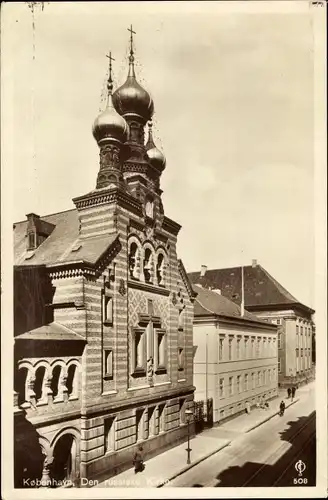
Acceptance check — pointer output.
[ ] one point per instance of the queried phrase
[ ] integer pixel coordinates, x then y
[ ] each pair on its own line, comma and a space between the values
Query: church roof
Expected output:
62, 245
212, 303
260, 288
52, 331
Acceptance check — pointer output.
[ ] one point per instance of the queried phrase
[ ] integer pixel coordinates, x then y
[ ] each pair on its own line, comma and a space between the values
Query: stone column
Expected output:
46, 479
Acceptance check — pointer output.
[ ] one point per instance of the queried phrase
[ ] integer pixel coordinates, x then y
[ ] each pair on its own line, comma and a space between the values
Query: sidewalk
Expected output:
246, 423
172, 463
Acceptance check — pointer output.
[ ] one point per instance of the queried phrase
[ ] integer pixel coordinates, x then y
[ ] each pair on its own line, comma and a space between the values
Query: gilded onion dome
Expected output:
109, 124
155, 156
131, 99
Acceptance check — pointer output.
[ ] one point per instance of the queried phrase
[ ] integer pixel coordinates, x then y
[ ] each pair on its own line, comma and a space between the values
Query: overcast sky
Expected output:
233, 95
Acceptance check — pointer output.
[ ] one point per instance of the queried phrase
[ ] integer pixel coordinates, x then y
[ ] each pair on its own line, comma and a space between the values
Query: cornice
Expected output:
109, 196
146, 287
192, 294
170, 226
83, 268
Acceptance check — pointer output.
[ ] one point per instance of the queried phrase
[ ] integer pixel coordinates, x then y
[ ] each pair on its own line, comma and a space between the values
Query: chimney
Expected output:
203, 270
254, 263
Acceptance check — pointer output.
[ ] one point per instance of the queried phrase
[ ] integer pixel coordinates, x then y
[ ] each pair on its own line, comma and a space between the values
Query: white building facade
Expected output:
235, 357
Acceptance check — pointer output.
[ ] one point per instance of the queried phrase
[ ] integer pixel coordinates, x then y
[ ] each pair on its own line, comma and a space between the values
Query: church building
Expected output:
103, 314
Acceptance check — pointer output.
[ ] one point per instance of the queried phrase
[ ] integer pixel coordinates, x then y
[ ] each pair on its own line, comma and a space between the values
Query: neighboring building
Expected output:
103, 314
270, 301
235, 357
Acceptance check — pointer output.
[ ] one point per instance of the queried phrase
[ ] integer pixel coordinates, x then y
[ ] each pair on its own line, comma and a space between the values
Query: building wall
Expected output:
213, 370
295, 344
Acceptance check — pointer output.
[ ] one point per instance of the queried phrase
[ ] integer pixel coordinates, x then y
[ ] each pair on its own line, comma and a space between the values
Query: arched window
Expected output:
133, 257
21, 385
72, 381
160, 269
39, 382
55, 380
147, 267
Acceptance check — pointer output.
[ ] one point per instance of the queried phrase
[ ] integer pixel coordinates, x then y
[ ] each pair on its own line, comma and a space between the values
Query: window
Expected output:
160, 350
31, 241
72, 382
279, 340
133, 261
258, 347
139, 424
245, 348
107, 310
253, 381
160, 269
138, 352
149, 209
301, 330
108, 364
230, 350
264, 348
230, 386
55, 381
161, 418
221, 388
259, 379
246, 382
39, 384
180, 359
109, 434
148, 266
220, 349
278, 321
151, 421
279, 365
253, 348
239, 384
238, 349
181, 319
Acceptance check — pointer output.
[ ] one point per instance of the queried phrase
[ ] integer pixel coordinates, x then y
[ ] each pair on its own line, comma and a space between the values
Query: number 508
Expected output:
300, 480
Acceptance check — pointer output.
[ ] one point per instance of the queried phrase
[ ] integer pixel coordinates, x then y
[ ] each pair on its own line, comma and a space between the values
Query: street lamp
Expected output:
188, 414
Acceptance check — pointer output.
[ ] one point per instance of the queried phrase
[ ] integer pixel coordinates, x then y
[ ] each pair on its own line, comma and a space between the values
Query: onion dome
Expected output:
155, 156
131, 99
109, 124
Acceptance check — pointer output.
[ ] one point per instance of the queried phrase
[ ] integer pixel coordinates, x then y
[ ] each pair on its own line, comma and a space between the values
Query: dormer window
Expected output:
31, 241
37, 230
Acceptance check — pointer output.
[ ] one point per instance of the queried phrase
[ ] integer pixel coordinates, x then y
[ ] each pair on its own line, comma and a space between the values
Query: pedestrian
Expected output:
248, 407
289, 392
293, 392
138, 460
282, 408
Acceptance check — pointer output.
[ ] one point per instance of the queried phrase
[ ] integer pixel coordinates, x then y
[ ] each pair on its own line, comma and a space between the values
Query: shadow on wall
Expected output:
28, 457
282, 472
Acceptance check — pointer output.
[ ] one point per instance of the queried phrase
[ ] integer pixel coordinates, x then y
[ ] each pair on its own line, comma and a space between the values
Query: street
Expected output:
265, 456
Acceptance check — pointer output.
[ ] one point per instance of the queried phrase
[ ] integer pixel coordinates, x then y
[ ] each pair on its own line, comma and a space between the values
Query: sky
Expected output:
233, 94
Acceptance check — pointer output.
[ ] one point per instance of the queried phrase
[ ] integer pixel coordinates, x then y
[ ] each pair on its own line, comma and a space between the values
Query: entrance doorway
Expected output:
64, 464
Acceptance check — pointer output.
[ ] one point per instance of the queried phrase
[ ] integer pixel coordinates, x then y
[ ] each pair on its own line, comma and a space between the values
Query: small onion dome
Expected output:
132, 99
155, 156
110, 125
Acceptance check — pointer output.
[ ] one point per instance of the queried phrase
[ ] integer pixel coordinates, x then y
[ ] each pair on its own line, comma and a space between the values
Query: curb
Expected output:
269, 417
190, 466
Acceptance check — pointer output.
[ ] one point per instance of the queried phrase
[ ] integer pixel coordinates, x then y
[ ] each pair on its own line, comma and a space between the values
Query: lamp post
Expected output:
188, 414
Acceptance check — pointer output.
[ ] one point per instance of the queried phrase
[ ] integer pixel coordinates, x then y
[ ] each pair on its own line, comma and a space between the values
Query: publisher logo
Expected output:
300, 468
